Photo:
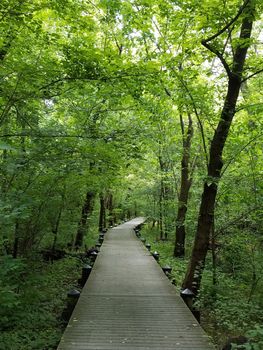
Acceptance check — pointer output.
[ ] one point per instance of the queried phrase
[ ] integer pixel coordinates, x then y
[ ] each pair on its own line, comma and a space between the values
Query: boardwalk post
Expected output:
86, 270
156, 255
73, 296
93, 256
148, 246
97, 246
101, 238
137, 232
167, 270
188, 297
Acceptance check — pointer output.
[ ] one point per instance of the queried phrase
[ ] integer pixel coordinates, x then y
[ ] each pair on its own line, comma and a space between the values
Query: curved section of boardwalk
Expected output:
128, 303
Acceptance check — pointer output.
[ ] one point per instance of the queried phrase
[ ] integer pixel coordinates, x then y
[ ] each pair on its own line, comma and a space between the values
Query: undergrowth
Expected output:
32, 297
231, 307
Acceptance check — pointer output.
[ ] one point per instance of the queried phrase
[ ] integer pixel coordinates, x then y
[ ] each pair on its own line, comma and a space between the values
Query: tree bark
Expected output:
102, 215
57, 223
55, 230
206, 213
16, 240
186, 182
17, 235
163, 197
86, 212
161, 228
110, 208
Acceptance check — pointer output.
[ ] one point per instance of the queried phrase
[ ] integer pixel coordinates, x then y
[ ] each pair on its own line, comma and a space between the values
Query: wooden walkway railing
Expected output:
128, 303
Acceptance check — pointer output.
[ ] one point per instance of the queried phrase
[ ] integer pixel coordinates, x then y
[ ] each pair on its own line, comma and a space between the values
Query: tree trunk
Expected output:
135, 209
55, 229
86, 212
206, 213
17, 235
186, 182
16, 240
161, 212
102, 215
110, 208
163, 196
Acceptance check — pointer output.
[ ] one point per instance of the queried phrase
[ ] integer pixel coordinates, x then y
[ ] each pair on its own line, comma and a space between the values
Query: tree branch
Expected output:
96, 78
248, 106
252, 75
182, 125
221, 31
205, 42
219, 55
239, 151
236, 220
43, 135
197, 116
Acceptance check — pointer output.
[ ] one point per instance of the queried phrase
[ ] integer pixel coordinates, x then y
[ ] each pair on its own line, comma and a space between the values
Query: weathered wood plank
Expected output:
128, 303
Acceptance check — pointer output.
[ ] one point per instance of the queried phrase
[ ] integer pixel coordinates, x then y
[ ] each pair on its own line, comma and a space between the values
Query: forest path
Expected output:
128, 303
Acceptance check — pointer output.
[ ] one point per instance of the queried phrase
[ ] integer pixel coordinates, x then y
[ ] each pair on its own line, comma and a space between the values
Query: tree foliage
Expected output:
96, 98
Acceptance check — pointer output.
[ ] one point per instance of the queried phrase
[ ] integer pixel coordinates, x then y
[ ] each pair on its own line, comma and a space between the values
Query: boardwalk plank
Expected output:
128, 303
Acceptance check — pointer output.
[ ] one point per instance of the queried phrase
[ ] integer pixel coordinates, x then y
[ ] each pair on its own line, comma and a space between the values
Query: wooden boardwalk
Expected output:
128, 303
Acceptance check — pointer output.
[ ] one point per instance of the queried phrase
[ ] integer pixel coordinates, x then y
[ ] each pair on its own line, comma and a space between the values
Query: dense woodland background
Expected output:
110, 109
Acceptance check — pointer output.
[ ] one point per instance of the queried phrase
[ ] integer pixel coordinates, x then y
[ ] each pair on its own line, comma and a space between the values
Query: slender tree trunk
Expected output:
163, 197
102, 215
135, 209
16, 240
17, 235
55, 229
214, 257
161, 228
186, 182
110, 208
206, 213
86, 212
166, 195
